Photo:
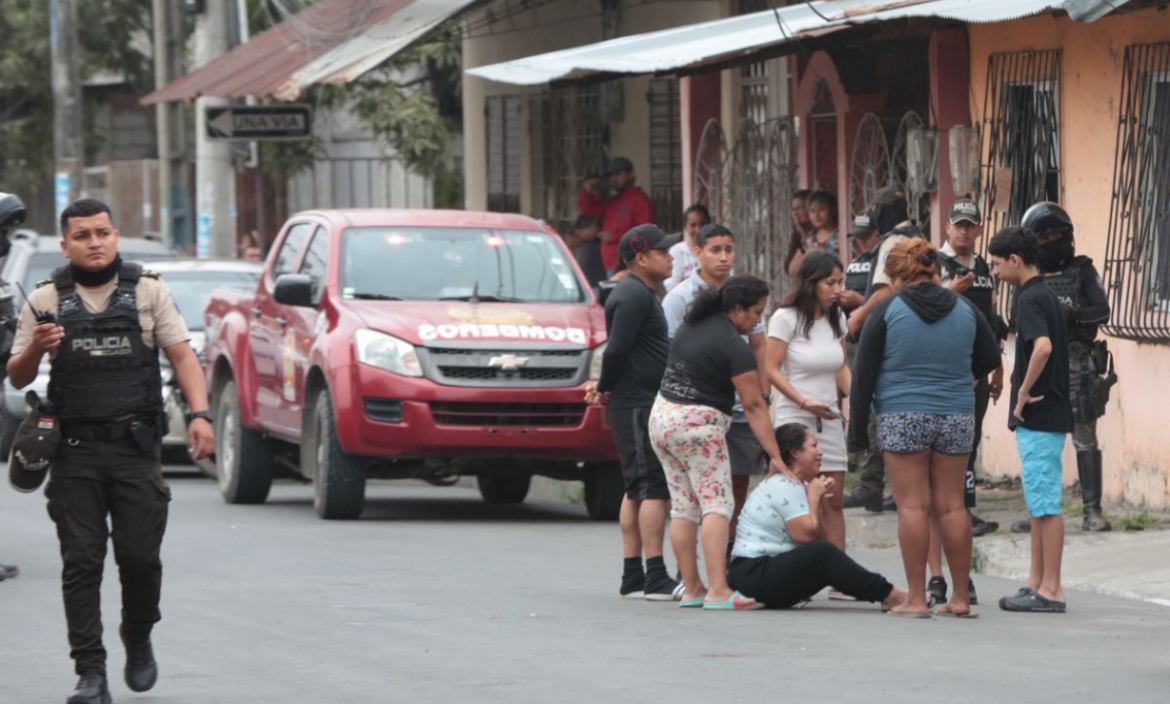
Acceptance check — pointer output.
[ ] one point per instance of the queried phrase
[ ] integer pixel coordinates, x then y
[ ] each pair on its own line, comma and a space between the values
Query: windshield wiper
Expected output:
481, 298
375, 297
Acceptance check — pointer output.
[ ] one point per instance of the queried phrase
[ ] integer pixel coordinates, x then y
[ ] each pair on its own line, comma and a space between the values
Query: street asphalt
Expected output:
434, 596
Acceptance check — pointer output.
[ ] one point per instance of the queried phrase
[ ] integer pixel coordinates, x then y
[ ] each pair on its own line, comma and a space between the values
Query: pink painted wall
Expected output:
1133, 433
700, 99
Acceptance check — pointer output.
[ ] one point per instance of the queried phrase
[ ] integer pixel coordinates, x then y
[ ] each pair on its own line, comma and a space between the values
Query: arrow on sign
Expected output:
261, 123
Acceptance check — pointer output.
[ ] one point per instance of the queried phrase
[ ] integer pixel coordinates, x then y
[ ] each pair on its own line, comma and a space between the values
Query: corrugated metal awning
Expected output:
331, 41
694, 45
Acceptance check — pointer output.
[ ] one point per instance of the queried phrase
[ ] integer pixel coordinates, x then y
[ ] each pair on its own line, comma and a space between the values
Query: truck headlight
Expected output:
595, 362
380, 350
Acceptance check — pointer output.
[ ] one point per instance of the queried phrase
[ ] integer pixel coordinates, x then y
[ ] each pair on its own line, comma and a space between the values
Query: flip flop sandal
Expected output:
946, 611
908, 614
696, 603
737, 602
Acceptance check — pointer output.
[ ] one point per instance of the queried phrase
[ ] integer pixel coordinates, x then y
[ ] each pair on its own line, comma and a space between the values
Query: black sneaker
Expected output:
936, 587
633, 585
141, 669
855, 499
878, 504
1024, 526
665, 589
92, 688
981, 527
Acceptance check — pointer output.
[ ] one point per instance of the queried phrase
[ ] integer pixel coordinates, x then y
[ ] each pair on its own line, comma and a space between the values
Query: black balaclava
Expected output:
94, 279
886, 217
1059, 253
5, 244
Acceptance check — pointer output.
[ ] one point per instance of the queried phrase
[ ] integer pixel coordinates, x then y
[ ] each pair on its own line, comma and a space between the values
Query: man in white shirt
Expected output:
685, 262
714, 250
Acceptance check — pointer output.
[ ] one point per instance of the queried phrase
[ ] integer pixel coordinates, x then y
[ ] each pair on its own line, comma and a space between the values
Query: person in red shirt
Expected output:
624, 209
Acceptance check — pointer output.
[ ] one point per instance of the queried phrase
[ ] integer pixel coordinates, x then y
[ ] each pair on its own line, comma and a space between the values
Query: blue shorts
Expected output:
1043, 471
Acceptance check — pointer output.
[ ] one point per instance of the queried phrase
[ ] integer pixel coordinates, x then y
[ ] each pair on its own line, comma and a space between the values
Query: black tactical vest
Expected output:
103, 370
1069, 288
982, 288
857, 274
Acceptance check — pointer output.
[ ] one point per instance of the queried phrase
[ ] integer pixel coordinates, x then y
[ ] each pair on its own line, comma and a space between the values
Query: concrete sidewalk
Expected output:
1122, 563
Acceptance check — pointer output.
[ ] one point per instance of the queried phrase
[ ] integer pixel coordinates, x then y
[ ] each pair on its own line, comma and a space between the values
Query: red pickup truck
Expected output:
389, 344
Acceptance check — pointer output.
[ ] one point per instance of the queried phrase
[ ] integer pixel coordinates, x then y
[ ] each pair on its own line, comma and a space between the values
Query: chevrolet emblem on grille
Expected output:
508, 362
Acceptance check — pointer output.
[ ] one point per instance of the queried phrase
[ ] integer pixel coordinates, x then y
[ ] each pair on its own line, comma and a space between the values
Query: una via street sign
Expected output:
260, 122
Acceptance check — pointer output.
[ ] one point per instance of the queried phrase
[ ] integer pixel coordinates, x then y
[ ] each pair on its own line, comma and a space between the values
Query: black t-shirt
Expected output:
1038, 314
703, 359
635, 354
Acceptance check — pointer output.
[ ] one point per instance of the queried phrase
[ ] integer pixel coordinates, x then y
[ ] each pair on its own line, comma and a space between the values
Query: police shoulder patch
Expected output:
43, 282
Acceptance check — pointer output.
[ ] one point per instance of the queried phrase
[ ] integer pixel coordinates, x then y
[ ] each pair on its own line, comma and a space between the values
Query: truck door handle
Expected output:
282, 322
256, 312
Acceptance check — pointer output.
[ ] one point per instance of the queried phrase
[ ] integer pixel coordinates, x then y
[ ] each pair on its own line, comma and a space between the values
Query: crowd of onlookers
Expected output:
884, 366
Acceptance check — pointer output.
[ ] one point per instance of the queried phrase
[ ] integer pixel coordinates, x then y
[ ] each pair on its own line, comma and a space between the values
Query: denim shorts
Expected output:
945, 433
1043, 470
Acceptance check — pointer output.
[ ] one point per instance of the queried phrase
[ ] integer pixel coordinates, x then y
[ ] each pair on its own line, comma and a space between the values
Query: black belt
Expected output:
110, 432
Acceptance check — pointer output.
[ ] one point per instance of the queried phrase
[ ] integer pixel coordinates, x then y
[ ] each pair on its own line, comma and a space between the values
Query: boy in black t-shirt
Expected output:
1041, 415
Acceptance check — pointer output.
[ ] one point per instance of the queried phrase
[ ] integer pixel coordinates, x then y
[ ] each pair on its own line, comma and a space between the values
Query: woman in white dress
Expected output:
806, 362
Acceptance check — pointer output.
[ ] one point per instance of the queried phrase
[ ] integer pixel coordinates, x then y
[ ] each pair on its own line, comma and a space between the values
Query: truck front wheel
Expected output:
503, 489
339, 479
243, 457
604, 490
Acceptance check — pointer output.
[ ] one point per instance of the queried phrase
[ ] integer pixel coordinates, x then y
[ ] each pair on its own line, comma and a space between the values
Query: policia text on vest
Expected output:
110, 319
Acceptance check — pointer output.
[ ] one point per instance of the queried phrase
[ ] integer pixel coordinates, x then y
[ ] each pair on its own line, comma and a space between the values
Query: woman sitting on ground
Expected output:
781, 557
709, 362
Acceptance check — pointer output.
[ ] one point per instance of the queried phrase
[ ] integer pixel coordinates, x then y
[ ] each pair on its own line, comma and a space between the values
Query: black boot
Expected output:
92, 688
1089, 470
141, 669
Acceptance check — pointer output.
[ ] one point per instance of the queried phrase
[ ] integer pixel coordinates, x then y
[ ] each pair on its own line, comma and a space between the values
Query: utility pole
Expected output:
68, 145
215, 175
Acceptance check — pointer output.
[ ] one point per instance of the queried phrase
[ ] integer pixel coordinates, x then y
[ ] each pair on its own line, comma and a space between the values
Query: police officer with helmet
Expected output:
12, 213
1076, 283
102, 321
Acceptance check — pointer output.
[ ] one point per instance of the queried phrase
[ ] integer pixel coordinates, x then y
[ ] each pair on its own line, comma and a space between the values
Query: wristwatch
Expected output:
205, 415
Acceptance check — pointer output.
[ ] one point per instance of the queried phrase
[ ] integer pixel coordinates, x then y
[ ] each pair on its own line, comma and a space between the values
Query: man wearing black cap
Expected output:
626, 208
102, 322
631, 372
12, 213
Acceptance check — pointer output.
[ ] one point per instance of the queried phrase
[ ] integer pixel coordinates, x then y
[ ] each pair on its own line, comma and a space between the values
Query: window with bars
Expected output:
1137, 259
665, 153
1021, 140
569, 142
753, 78
503, 153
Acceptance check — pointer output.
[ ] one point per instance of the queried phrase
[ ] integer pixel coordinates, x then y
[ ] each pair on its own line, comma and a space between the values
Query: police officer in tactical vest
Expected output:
969, 275
103, 321
866, 237
1076, 283
12, 213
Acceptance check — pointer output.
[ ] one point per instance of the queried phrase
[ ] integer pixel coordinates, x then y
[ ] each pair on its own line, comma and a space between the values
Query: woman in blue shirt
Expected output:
920, 353
781, 557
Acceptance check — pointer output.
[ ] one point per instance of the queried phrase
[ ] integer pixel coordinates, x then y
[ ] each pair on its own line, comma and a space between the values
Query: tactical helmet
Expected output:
12, 211
1046, 218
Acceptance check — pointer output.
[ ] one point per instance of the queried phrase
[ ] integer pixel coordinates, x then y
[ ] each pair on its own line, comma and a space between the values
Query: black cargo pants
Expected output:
90, 481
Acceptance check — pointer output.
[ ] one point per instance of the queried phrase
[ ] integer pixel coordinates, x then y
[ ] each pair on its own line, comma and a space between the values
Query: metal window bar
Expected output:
1137, 259
1021, 140
569, 142
665, 153
503, 153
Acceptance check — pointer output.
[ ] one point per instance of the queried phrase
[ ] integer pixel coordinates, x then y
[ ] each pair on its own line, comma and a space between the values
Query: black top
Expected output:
635, 355
1038, 314
703, 359
588, 258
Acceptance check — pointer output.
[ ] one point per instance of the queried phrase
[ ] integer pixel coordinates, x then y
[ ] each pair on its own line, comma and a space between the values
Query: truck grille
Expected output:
513, 414
506, 368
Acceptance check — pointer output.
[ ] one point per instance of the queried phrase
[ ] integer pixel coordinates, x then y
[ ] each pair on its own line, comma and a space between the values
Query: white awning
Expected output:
719, 40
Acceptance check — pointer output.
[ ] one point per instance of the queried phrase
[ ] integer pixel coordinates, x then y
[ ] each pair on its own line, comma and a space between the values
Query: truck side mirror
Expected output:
294, 290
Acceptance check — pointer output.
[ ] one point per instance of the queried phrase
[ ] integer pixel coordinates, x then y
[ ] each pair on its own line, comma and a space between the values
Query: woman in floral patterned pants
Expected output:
709, 362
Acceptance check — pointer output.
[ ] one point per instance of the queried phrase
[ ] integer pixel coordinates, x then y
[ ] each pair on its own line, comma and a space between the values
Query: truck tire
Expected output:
504, 489
243, 457
8, 434
604, 491
339, 479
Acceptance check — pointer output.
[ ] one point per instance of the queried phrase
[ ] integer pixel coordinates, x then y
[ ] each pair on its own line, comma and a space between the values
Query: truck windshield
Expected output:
436, 264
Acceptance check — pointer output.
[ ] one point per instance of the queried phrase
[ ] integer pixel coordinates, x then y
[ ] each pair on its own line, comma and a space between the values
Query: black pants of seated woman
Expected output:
783, 581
